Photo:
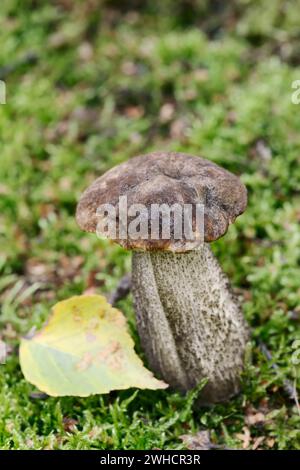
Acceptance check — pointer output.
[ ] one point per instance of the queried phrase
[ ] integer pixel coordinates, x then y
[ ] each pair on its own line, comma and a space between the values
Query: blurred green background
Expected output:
92, 83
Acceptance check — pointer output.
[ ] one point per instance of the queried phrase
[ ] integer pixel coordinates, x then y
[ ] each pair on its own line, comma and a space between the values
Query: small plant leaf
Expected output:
84, 349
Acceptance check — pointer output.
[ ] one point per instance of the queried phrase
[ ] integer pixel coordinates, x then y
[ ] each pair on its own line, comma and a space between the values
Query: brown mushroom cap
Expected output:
167, 177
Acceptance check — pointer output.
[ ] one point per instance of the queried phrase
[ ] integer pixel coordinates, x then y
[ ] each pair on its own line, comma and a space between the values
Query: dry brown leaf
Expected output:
69, 424
257, 442
199, 441
254, 418
270, 442
245, 437
166, 112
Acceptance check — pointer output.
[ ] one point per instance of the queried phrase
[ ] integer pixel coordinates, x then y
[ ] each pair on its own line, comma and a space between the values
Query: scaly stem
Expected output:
190, 324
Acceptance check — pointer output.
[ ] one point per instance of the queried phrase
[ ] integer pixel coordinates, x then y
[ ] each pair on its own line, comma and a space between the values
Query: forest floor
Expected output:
89, 86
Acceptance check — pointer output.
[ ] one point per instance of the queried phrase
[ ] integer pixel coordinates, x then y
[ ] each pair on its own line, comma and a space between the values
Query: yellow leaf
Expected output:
84, 349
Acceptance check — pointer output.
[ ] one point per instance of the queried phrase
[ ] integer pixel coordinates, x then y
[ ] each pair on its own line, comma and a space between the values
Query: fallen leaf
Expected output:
245, 437
254, 417
37, 271
29, 443
129, 68
85, 51
69, 424
166, 112
134, 112
201, 75
178, 129
199, 441
95, 432
61, 359
9, 332
257, 442
270, 442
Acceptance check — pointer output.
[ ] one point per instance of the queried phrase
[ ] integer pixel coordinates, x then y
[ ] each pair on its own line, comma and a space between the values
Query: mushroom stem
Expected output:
190, 324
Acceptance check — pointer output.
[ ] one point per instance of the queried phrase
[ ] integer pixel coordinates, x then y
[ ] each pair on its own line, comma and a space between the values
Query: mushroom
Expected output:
190, 323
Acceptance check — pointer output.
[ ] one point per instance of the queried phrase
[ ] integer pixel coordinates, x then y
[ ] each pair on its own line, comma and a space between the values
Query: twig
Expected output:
38, 395
121, 291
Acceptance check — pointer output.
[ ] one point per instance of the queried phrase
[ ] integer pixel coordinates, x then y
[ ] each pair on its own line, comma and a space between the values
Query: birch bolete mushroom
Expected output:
190, 323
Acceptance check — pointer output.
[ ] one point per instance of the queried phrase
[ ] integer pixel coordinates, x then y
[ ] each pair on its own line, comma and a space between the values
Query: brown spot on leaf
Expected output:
85, 362
115, 361
112, 355
90, 337
76, 313
111, 348
94, 323
120, 321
